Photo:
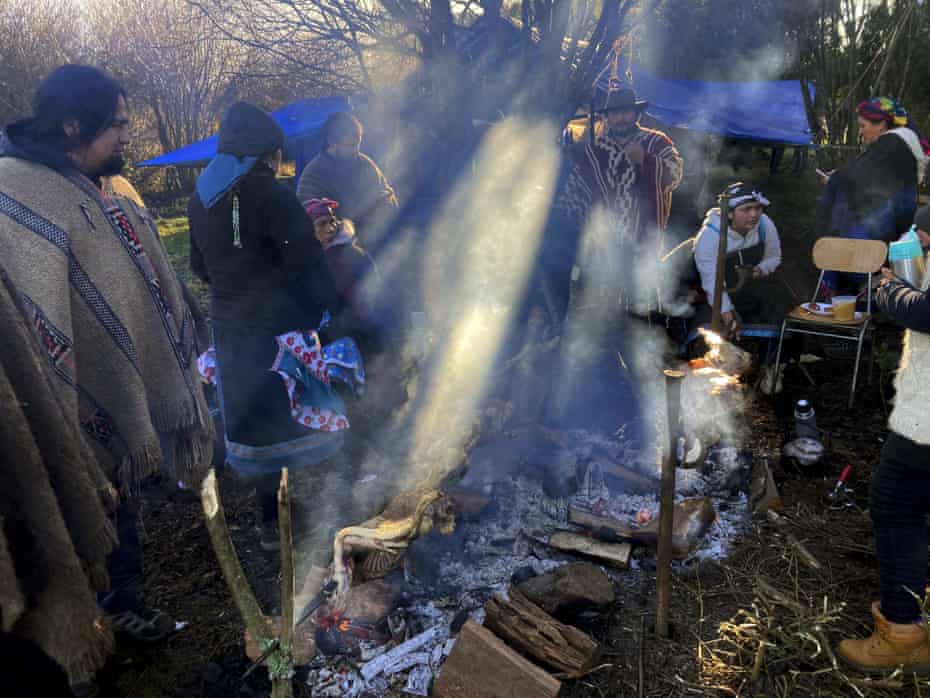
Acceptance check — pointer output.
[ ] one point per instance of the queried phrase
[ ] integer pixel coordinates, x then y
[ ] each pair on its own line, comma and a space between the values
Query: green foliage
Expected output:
281, 665
718, 40
908, 64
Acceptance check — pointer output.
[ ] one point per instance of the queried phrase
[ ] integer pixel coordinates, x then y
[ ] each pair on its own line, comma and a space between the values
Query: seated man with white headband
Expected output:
753, 254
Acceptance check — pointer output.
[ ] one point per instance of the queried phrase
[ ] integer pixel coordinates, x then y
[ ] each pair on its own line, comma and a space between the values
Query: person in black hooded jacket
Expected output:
254, 244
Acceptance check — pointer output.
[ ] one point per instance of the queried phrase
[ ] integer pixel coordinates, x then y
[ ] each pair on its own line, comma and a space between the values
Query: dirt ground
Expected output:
763, 595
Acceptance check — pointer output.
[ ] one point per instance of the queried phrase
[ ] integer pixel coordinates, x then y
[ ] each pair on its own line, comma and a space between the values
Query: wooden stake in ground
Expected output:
286, 660
255, 622
528, 628
716, 317
667, 504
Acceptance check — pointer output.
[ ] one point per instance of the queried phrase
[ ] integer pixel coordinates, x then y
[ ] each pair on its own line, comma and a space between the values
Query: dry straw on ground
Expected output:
781, 641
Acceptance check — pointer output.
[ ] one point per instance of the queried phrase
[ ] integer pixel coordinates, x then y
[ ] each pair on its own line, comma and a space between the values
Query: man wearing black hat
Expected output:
616, 196
628, 171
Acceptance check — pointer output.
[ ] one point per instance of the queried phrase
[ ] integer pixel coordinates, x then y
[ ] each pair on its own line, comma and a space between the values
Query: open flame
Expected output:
710, 337
722, 382
720, 356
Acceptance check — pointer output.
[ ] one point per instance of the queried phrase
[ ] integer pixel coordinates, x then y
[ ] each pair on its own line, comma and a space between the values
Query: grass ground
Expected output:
175, 233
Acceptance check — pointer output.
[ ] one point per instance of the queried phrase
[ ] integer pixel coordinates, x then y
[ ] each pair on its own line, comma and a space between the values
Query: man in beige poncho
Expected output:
107, 308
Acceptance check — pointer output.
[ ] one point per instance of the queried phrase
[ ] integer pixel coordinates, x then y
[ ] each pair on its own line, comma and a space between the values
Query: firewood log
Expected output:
528, 628
577, 586
692, 519
615, 554
483, 666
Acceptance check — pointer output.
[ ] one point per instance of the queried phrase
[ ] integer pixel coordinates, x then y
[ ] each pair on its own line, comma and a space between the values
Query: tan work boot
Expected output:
891, 645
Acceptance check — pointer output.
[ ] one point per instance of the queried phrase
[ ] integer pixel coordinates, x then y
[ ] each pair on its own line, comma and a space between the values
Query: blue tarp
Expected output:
296, 120
770, 112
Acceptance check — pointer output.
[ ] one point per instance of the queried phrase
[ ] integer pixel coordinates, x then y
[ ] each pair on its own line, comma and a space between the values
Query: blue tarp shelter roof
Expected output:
295, 119
769, 112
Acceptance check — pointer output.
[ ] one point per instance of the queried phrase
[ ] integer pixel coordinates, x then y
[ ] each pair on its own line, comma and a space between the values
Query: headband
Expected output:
739, 194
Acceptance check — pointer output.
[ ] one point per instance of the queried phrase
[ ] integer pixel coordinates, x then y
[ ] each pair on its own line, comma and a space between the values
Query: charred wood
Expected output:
483, 666
615, 554
572, 588
692, 519
528, 628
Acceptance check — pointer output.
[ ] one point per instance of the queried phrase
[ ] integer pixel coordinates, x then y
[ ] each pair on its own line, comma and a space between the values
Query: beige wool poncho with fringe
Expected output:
54, 530
102, 297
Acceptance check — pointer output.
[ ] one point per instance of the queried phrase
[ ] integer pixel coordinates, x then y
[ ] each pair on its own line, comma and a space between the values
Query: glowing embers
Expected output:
724, 381
722, 364
339, 634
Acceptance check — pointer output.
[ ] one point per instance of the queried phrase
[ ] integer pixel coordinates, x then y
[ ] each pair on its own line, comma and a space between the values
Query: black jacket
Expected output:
279, 279
905, 304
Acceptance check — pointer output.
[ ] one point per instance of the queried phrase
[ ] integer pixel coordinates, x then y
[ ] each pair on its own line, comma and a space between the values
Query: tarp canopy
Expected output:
770, 112
296, 120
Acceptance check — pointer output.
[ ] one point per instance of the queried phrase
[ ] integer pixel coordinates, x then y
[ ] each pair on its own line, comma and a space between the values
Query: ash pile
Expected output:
555, 522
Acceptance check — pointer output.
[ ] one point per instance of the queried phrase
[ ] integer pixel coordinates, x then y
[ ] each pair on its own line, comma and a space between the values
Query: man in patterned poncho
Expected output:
610, 217
619, 190
106, 306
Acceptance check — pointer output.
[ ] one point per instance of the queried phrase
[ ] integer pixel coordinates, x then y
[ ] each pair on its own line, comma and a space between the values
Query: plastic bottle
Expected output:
805, 421
907, 258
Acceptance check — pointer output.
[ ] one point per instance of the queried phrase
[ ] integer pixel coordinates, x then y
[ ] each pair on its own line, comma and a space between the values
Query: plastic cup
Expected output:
844, 308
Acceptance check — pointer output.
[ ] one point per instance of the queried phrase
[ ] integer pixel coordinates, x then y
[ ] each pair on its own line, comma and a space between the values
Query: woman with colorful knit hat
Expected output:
874, 196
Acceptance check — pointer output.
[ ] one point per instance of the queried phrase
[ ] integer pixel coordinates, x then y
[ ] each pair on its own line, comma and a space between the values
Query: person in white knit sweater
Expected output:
900, 496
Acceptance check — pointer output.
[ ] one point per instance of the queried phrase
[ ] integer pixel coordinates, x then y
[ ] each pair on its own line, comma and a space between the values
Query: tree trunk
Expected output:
889, 55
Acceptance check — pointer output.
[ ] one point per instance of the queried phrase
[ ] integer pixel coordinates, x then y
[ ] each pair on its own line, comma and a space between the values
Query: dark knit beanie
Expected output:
247, 130
922, 219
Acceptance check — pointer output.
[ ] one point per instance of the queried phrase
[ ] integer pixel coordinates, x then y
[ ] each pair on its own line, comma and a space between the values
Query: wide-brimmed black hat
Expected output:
622, 99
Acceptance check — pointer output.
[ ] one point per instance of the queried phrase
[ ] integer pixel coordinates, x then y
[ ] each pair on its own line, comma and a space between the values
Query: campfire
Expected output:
510, 560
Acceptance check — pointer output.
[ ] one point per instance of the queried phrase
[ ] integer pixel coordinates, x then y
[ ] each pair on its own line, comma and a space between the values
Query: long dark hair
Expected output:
81, 93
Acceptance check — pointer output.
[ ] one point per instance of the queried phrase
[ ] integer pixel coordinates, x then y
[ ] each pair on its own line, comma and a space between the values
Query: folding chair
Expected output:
842, 255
